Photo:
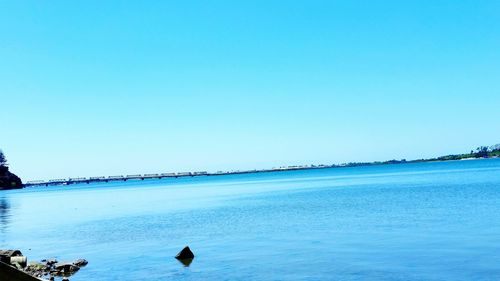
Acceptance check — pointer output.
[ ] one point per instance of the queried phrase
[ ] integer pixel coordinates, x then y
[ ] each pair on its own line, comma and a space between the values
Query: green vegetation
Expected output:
3, 163
7, 179
3, 160
480, 152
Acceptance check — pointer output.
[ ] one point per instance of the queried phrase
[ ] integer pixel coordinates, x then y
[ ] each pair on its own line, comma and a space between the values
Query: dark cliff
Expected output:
8, 180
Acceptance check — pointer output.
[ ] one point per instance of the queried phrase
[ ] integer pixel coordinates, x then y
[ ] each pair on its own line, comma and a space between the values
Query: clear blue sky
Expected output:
91, 88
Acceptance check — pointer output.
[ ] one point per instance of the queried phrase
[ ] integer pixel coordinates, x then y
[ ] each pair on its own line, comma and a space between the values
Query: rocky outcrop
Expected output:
15, 264
8, 180
8, 272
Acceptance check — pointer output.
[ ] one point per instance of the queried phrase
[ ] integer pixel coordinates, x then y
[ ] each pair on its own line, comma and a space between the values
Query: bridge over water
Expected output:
115, 178
160, 176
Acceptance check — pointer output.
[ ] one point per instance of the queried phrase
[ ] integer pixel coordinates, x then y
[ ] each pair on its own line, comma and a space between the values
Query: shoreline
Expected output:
82, 180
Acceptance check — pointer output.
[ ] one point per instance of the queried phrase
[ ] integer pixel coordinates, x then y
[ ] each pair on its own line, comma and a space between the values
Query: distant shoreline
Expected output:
70, 181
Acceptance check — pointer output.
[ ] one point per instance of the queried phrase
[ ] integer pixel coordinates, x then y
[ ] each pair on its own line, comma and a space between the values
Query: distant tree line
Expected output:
3, 160
480, 152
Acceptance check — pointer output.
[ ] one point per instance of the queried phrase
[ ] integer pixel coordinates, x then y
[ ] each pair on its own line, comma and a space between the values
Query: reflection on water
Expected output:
4, 214
186, 262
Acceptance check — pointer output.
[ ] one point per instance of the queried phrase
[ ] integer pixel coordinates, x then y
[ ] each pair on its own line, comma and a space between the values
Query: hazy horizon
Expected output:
231, 169
105, 88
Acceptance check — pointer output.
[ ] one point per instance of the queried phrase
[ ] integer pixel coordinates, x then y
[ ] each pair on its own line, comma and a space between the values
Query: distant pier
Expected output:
111, 179
118, 178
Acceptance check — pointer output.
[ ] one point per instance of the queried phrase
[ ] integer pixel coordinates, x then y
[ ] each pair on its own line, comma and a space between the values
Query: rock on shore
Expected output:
9, 180
48, 268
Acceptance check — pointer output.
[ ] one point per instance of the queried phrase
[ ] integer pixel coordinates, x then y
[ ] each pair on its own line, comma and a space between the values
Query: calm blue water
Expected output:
426, 221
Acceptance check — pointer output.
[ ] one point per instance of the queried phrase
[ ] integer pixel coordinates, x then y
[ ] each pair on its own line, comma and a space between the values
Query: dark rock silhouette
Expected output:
185, 256
8, 272
8, 180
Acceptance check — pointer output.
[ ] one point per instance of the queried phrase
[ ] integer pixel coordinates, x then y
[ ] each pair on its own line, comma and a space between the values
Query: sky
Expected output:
101, 88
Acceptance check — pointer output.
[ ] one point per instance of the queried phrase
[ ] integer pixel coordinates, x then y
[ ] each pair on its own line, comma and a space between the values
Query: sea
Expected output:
414, 221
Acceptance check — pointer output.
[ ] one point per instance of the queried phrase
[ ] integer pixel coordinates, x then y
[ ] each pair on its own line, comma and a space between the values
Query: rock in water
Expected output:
185, 254
80, 262
65, 268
